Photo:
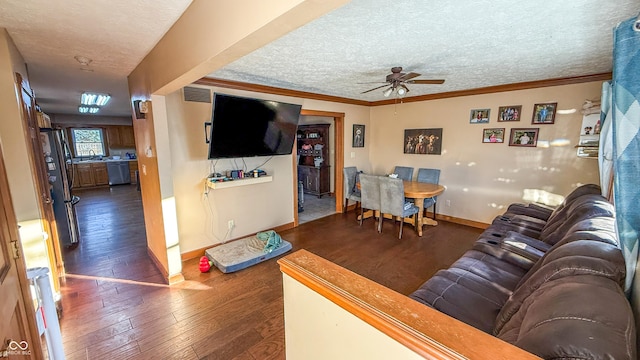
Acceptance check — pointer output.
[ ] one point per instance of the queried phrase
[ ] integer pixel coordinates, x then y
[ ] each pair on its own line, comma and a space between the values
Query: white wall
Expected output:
203, 214
482, 179
336, 333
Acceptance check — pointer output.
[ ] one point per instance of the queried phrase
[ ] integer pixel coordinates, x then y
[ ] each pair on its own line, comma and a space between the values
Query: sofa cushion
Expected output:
578, 258
574, 317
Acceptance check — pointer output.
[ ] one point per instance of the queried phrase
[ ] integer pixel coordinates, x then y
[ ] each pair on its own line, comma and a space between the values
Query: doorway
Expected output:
318, 165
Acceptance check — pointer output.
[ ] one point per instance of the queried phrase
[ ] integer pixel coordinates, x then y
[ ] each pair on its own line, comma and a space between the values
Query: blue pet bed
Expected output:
240, 254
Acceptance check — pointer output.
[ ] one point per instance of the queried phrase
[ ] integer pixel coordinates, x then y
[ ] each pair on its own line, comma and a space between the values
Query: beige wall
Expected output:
482, 179
203, 214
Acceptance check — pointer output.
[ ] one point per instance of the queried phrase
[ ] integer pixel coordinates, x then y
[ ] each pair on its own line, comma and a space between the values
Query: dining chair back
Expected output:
432, 176
370, 194
351, 192
404, 172
392, 202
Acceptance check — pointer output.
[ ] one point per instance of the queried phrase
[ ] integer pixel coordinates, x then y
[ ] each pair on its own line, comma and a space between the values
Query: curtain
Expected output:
605, 151
625, 114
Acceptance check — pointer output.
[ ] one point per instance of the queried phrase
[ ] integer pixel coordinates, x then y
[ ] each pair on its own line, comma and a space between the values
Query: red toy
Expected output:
205, 264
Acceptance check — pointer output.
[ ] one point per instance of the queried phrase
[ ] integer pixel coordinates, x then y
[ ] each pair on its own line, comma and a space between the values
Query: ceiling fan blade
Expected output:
375, 88
408, 76
434, 81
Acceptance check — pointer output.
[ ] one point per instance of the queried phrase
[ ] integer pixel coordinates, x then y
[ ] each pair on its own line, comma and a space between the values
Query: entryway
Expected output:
113, 240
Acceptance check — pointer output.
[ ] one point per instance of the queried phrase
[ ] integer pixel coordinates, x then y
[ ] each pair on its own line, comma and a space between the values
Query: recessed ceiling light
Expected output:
94, 99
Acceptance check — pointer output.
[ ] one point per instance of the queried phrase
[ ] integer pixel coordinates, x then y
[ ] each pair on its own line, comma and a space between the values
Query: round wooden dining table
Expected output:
420, 191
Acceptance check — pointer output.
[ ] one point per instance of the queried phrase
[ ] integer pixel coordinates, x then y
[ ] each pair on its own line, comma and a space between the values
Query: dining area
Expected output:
396, 196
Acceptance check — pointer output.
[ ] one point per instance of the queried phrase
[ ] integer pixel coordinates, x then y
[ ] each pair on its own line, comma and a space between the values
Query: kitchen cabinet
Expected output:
133, 166
120, 136
126, 137
100, 176
85, 177
90, 174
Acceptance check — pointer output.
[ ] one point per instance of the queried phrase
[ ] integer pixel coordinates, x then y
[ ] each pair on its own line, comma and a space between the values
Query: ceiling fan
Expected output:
397, 80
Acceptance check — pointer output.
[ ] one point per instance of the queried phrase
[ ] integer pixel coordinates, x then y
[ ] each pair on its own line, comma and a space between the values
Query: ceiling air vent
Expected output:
197, 94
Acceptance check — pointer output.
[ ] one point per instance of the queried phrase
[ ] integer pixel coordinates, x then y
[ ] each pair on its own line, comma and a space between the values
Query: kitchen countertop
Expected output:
89, 161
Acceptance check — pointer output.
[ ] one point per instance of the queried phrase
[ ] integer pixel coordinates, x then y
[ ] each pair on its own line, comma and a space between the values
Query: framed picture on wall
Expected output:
423, 141
358, 136
509, 113
479, 116
524, 137
493, 136
544, 113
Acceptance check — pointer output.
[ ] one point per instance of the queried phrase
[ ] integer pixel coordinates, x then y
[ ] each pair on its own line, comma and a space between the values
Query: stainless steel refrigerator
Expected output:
58, 159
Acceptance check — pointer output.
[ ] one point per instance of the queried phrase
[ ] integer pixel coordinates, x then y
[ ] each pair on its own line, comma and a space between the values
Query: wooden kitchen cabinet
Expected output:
133, 166
313, 151
126, 137
85, 175
113, 136
90, 175
120, 136
99, 172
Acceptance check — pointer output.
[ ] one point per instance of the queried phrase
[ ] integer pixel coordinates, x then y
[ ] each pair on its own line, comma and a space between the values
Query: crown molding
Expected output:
237, 85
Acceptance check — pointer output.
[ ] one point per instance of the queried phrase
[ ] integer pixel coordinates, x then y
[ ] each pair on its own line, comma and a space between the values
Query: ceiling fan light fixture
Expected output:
402, 90
388, 91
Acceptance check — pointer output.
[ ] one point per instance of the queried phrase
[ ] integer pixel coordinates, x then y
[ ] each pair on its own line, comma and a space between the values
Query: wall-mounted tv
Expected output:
245, 127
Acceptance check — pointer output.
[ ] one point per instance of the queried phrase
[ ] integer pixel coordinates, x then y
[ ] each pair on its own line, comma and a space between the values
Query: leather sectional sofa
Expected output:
548, 281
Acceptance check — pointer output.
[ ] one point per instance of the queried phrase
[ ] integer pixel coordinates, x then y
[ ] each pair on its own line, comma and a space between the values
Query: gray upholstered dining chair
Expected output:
370, 195
351, 192
429, 176
404, 172
392, 202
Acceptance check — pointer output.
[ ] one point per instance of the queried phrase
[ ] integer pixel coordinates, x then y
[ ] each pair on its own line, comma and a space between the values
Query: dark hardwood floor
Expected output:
223, 316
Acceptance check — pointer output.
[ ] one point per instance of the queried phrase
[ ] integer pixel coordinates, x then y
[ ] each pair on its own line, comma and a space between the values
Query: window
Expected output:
88, 142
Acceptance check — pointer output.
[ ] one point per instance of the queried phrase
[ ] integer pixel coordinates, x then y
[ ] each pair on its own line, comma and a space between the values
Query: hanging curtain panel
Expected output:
626, 139
605, 151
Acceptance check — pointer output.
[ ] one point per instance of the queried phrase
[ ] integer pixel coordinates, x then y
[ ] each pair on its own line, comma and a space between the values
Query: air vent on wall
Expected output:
197, 94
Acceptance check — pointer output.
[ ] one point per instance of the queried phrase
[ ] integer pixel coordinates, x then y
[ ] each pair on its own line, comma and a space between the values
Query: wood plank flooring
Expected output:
223, 316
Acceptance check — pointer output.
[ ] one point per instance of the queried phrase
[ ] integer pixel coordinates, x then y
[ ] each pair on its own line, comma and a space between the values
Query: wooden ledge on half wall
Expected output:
425, 331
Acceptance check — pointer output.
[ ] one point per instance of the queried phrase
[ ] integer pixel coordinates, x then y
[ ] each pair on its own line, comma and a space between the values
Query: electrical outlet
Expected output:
231, 224
448, 203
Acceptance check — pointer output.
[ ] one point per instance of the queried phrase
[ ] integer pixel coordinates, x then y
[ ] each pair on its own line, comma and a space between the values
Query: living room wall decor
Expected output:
493, 136
509, 113
479, 116
544, 113
423, 141
358, 136
524, 137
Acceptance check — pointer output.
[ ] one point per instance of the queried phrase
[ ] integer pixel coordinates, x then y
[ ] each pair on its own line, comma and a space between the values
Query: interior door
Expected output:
18, 331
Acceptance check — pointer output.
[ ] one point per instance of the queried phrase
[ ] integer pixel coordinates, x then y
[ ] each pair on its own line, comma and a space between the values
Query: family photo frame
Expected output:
479, 116
493, 136
423, 141
524, 137
544, 113
509, 113
358, 136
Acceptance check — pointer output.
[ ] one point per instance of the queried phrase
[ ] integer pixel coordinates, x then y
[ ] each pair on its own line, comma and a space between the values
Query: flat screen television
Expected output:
245, 127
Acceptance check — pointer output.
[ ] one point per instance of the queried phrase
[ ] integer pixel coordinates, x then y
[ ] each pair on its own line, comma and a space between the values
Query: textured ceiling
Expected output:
469, 43
115, 34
